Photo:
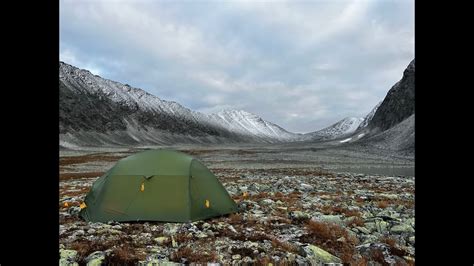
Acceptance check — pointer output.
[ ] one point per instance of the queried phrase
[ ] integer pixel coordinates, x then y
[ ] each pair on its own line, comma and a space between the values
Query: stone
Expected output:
236, 257
389, 196
243, 189
95, 258
388, 214
117, 227
250, 244
246, 260
331, 219
79, 233
254, 187
318, 256
201, 235
291, 257
370, 226
74, 210
368, 239
231, 228
170, 229
174, 243
381, 226
402, 228
363, 230
297, 215
91, 231
158, 262
67, 257
161, 240
267, 202
306, 187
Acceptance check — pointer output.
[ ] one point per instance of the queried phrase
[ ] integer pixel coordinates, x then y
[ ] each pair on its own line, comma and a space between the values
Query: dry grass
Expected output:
70, 160
391, 241
357, 221
265, 261
377, 256
382, 204
124, 255
235, 218
326, 236
285, 246
70, 176
243, 251
198, 152
337, 209
78, 191
393, 245
191, 255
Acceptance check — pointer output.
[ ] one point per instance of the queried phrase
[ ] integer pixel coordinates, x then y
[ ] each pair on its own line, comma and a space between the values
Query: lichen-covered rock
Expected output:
330, 219
161, 240
298, 215
67, 257
171, 229
266, 202
402, 228
95, 258
318, 256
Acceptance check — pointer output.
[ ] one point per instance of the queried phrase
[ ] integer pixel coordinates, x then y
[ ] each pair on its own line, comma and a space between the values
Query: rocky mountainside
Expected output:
342, 128
368, 117
97, 111
392, 124
399, 103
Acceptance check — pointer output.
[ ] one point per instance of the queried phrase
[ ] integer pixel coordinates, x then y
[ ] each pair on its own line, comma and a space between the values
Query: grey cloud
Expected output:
300, 64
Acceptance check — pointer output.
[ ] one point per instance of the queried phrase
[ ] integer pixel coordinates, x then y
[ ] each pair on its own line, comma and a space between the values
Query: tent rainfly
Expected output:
157, 185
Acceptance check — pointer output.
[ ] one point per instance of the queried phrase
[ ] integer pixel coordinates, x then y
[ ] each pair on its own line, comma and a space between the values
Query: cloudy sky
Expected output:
300, 64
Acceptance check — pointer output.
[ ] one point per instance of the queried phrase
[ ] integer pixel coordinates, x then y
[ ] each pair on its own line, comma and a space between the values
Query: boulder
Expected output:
402, 228
95, 258
67, 257
318, 256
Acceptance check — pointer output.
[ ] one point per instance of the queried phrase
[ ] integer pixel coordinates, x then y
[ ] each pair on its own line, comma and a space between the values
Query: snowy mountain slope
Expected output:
97, 111
369, 117
391, 124
344, 127
250, 124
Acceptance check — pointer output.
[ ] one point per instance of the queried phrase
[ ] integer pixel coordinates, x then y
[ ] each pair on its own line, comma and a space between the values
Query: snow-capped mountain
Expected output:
391, 124
98, 111
344, 127
368, 117
249, 124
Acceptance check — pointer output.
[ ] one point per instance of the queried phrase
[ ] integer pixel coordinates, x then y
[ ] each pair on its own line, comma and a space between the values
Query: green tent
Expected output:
157, 185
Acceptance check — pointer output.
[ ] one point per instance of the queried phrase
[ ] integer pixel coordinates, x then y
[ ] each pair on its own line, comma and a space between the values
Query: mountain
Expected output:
97, 111
392, 125
399, 103
368, 117
246, 123
342, 128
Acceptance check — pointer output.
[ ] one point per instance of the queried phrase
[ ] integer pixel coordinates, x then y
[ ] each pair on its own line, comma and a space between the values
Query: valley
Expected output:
295, 205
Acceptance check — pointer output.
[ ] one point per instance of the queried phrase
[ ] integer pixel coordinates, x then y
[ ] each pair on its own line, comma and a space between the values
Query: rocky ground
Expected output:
298, 214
